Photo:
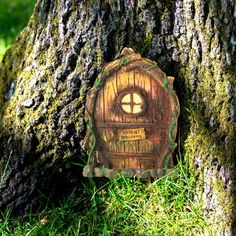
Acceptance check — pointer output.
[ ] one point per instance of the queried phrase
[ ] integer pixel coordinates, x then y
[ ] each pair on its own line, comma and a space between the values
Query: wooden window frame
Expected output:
131, 91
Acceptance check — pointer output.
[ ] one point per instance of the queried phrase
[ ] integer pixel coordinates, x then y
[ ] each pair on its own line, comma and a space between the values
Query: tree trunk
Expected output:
46, 74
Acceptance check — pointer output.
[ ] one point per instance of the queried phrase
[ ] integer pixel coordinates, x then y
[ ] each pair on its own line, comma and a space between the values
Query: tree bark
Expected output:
46, 74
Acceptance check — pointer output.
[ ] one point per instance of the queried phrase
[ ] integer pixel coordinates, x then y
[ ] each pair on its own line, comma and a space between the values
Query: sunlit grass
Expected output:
14, 16
119, 207
3, 47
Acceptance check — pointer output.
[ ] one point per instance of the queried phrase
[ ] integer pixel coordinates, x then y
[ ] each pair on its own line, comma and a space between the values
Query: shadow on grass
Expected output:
118, 207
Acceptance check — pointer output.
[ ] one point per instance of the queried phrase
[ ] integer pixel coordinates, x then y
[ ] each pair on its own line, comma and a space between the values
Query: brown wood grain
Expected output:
144, 91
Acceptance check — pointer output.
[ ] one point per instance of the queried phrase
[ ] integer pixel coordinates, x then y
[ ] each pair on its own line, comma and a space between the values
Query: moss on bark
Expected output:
208, 58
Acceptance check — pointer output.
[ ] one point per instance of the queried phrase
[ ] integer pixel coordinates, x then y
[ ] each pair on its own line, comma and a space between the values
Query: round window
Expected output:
131, 103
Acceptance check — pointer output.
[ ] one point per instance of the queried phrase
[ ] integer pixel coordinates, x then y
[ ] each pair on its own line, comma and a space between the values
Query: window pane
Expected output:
137, 109
126, 108
137, 98
126, 98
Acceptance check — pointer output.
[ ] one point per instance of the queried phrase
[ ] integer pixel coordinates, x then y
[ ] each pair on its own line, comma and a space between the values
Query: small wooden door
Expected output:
132, 111
132, 114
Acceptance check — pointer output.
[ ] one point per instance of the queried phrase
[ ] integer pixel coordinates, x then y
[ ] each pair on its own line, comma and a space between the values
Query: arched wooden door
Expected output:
132, 114
132, 111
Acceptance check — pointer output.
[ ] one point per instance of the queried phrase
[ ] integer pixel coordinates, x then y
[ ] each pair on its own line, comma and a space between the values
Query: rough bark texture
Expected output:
55, 60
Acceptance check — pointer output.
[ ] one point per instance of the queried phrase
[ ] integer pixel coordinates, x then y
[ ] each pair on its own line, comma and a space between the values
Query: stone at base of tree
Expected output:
91, 171
88, 171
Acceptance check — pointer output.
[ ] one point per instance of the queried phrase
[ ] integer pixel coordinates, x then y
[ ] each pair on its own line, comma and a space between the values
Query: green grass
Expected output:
119, 207
14, 15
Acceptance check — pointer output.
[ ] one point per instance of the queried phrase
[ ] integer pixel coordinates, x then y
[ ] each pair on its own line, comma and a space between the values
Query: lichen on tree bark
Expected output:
206, 49
46, 74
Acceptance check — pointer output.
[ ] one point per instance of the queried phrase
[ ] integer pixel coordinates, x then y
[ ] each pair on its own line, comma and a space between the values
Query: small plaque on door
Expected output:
131, 134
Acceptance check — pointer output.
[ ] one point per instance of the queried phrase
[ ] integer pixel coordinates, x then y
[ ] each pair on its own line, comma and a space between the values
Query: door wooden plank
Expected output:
144, 138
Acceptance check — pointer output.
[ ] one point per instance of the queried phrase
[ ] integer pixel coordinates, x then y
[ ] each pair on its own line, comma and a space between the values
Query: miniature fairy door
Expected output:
133, 112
